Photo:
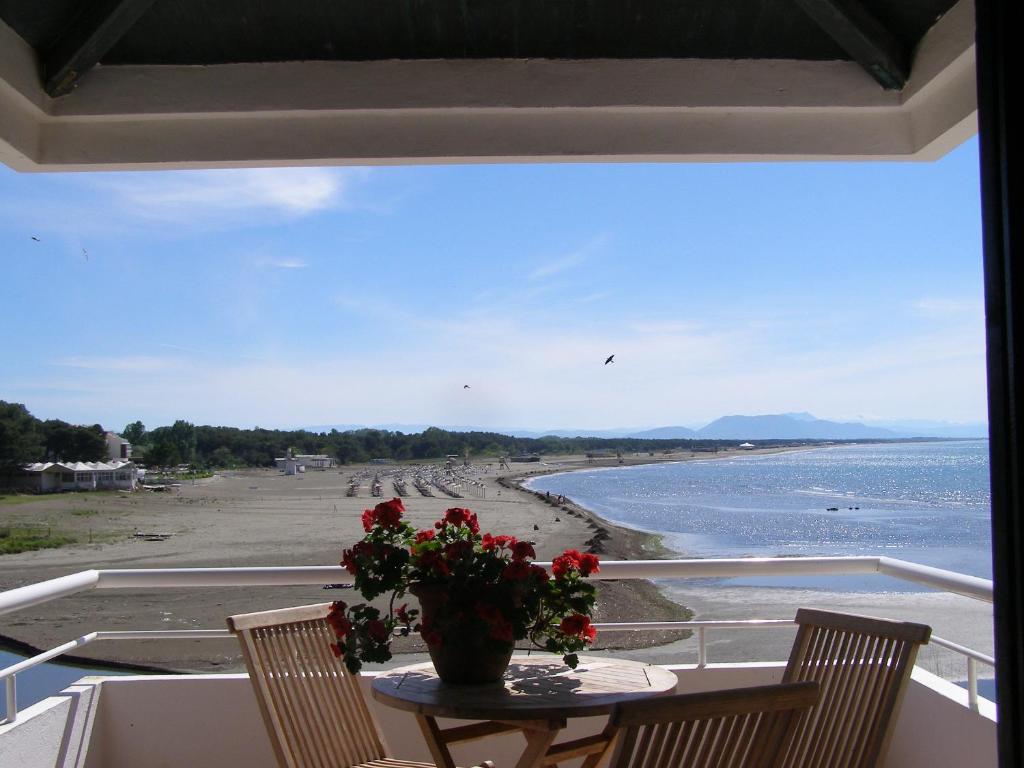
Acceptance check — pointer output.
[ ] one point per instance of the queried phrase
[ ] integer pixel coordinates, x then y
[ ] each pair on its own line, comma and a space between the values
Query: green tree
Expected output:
20, 440
163, 455
182, 435
69, 442
134, 433
223, 457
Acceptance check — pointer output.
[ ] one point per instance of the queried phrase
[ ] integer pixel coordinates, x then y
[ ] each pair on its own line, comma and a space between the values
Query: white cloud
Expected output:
532, 373
938, 307
665, 327
290, 264
569, 260
294, 191
137, 364
555, 266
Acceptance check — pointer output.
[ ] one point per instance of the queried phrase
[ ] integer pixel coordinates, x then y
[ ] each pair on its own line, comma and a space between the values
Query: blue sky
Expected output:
291, 297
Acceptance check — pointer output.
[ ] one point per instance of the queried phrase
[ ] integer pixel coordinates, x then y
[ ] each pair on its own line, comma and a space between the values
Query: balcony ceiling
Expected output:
479, 80
247, 31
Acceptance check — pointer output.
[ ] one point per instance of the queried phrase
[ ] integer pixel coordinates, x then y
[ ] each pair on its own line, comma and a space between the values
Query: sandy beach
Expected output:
265, 518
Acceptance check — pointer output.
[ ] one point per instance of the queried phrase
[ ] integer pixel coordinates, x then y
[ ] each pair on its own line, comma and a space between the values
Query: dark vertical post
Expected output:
998, 21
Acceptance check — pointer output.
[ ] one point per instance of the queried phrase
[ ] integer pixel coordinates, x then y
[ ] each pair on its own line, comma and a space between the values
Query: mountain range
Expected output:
781, 426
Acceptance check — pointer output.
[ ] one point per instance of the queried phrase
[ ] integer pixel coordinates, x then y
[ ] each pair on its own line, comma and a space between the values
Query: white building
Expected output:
302, 462
118, 449
81, 476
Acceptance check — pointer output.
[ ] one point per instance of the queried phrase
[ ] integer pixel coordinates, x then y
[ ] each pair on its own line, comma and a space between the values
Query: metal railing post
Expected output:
702, 648
972, 684
12, 698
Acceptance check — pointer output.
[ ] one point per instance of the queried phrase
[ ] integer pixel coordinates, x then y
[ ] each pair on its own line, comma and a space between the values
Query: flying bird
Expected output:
86, 254
611, 359
465, 386
36, 239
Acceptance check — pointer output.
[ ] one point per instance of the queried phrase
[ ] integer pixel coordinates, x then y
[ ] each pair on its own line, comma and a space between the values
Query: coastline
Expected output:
254, 518
960, 619
264, 518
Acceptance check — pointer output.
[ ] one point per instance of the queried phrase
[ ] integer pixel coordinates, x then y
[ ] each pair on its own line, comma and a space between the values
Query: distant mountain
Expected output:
802, 416
781, 426
785, 426
925, 428
665, 433
512, 431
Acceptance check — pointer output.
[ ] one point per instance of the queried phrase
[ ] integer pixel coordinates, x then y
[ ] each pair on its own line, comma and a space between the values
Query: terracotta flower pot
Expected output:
461, 659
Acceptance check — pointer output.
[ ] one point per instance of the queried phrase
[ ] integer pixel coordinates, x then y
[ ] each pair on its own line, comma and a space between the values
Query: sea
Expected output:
44, 680
926, 502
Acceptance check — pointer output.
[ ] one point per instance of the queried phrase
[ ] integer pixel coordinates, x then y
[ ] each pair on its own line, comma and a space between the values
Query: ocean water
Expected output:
44, 680
924, 502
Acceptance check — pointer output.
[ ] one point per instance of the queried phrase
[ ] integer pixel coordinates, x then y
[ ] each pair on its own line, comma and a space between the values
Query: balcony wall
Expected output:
213, 720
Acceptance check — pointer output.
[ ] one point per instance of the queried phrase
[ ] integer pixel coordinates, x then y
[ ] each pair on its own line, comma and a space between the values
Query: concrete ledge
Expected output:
213, 720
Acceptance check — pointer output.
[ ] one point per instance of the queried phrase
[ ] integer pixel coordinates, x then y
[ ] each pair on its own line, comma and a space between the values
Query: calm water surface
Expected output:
42, 681
923, 502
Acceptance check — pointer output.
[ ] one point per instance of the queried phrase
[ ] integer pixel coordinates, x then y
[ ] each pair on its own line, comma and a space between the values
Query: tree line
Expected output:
208, 446
24, 438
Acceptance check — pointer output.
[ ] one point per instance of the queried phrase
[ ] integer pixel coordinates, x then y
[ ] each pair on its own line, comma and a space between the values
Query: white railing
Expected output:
176, 578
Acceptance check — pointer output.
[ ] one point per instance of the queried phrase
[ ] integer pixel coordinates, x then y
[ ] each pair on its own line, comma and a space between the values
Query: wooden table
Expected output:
537, 696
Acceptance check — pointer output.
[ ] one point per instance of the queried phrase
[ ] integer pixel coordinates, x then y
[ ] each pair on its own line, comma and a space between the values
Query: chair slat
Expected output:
313, 708
721, 729
863, 665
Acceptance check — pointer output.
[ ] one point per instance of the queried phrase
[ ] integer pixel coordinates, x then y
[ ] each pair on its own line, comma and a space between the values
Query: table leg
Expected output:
537, 743
432, 735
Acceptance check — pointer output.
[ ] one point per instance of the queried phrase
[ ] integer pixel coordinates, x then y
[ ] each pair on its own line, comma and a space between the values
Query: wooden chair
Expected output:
736, 728
312, 706
863, 666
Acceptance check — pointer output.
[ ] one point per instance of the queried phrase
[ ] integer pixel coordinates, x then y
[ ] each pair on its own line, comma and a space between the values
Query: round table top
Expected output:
533, 688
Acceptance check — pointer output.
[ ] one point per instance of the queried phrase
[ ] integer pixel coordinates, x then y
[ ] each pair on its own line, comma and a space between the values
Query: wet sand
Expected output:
265, 518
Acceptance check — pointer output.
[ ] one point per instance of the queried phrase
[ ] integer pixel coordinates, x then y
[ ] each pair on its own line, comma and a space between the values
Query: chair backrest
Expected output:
737, 728
863, 666
312, 706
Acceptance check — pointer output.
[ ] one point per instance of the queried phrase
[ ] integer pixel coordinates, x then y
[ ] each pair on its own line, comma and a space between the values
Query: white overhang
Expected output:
469, 111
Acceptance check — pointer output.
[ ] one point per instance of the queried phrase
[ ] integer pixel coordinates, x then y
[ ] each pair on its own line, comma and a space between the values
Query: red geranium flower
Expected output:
428, 561
458, 516
493, 591
565, 562
457, 550
517, 570
579, 626
337, 620
367, 520
522, 550
588, 564
389, 513
377, 629
538, 571
350, 557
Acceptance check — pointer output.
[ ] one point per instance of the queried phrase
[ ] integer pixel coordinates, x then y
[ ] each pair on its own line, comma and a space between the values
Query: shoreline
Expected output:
256, 518
306, 520
961, 619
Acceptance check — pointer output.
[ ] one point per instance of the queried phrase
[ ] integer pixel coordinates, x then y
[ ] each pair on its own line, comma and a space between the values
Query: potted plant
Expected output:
479, 593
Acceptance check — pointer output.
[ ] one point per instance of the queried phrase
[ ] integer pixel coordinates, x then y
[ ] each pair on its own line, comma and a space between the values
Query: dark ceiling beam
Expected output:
862, 36
85, 41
